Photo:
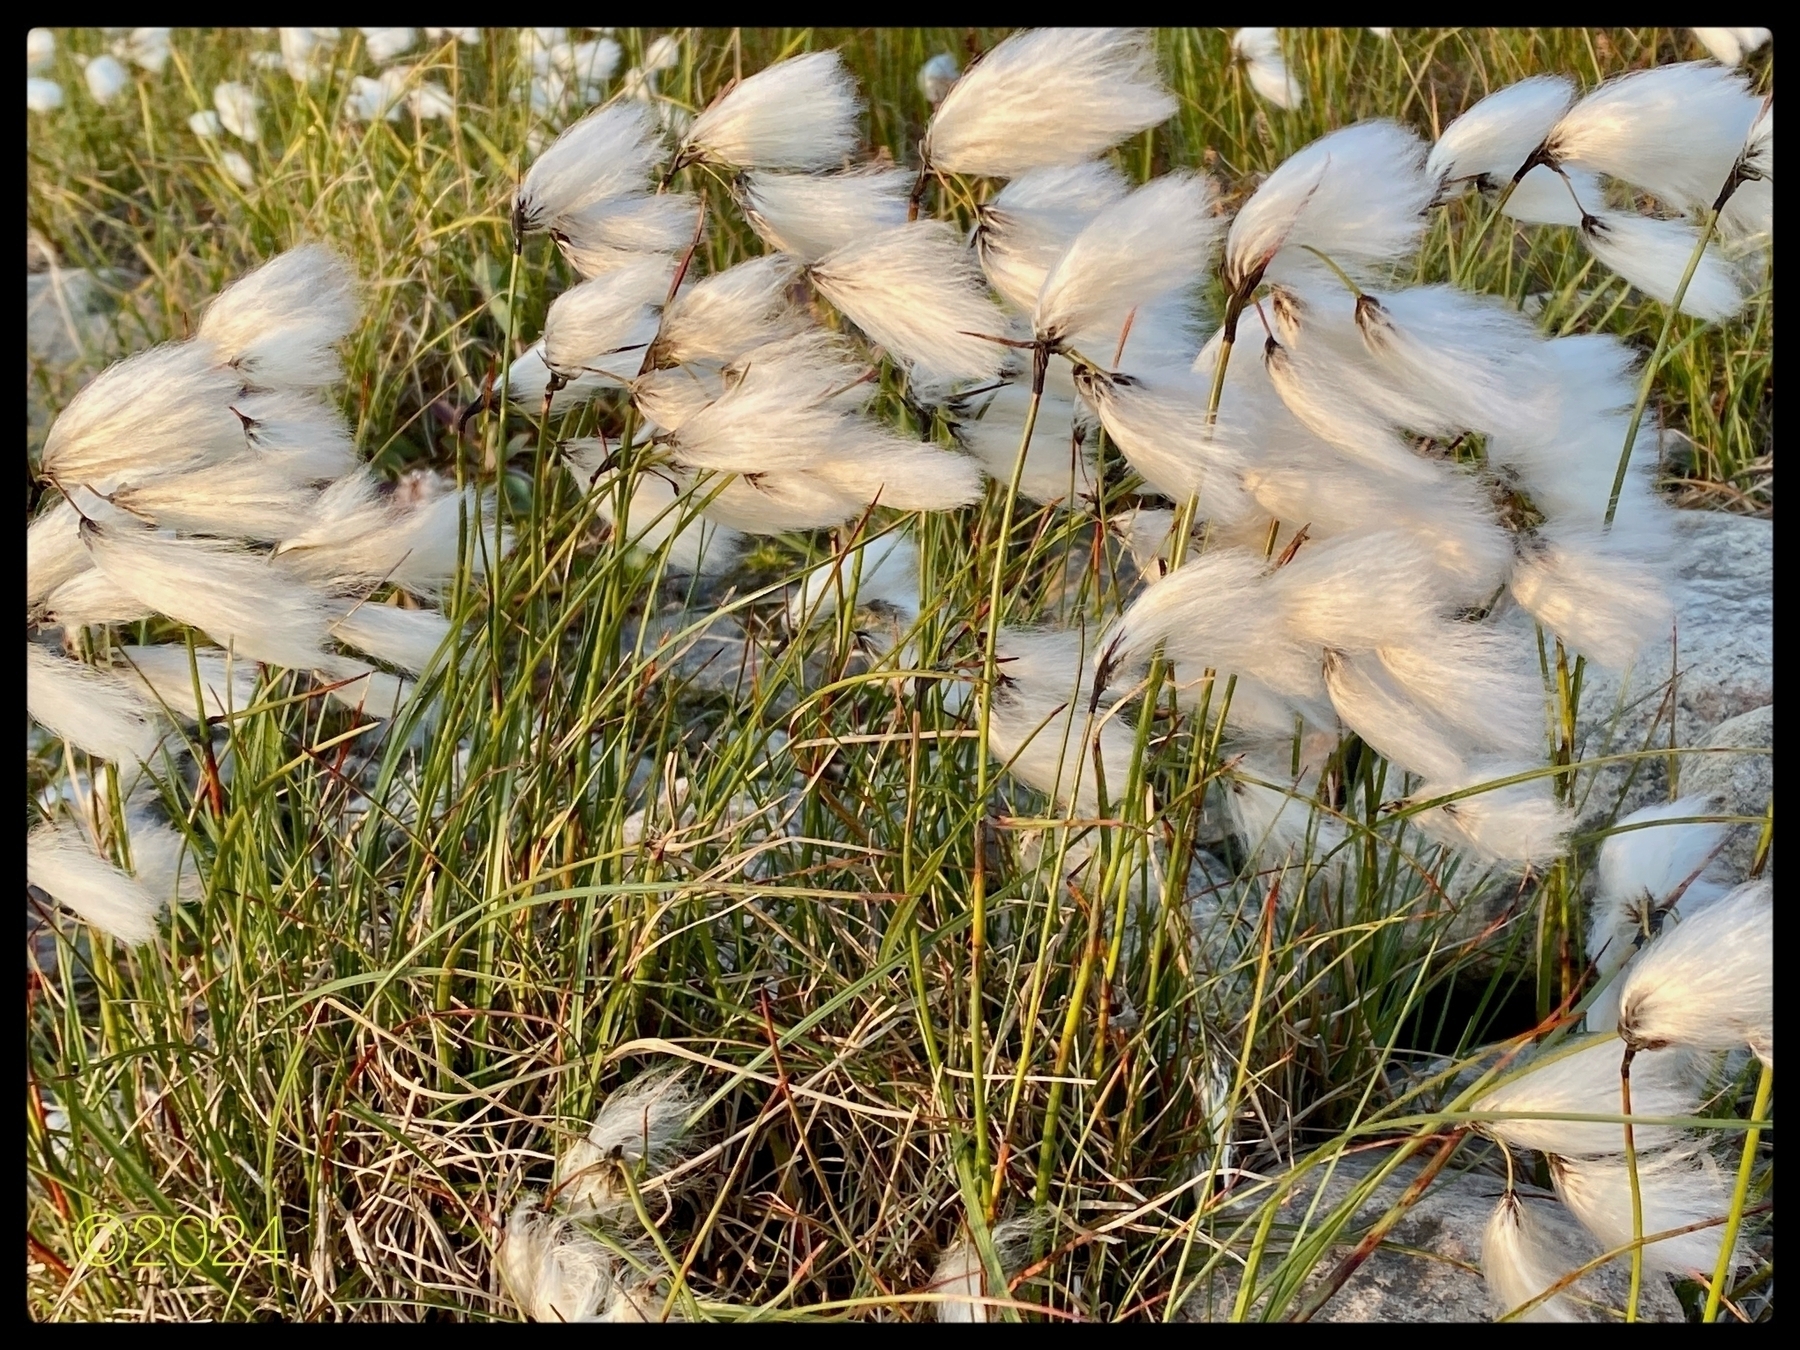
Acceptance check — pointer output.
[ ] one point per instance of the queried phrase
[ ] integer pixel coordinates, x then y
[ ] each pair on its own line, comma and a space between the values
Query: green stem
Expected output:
1637, 1194
1727, 1243
978, 897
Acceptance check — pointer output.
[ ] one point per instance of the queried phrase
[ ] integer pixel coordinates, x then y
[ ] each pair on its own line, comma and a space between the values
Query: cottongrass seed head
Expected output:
1708, 983
1587, 1083
801, 113
642, 1125
1492, 141
1519, 1260
59, 860
1681, 1187
961, 1276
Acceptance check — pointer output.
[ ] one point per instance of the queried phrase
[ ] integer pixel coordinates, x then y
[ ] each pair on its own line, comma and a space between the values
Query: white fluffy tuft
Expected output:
796, 114
810, 215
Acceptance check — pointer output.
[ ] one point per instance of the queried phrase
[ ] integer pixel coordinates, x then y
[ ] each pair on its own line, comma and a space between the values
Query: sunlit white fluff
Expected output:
91, 597
915, 291
243, 498
905, 475
1645, 863
1160, 238
59, 860
1325, 196
161, 860
106, 79
1675, 131
591, 326
1481, 682
1039, 724
1653, 255
163, 410
1521, 823
279, 324
1750, 214
1469, 356
608, 153
616, 231
237, 105
775, 418
554, 1271
796, 114
53, 550
94, 710
40, 50
1519, 1262
1547, 196
528, 380
961, 1276
1311, 389
1587, 1083
1677, 1188
1370, 705
1161, 428
1708, 983
233, 596
883, 571
1048, 96
667, 398
730, 312
384, 44
407, 638
640, 1125
1732, 45
148, 48
1600, 602
1024, 230
1058, 460
226, 686
303, 54
1490, 142
1274, 812
41, 95
771, 503
1260, 51
360, 536
810, 215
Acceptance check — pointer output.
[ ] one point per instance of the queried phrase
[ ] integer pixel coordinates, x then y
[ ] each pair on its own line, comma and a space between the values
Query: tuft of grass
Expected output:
427, 949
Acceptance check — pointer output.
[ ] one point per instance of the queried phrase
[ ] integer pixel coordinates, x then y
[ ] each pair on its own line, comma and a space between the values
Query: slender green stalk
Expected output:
1637, 1195
1765, 1086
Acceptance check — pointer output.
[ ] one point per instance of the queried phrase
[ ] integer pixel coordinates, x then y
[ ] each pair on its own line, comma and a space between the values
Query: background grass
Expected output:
427, 949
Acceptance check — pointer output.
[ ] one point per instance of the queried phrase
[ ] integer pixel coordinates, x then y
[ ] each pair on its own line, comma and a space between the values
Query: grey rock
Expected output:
710, 651
1723, 656
1741, 784
68, 317
1428, 1269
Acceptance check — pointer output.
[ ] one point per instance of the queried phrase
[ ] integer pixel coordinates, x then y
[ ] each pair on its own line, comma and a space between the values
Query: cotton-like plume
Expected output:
592, 325
1519, 1262
961, 1276
771, 503
811, 215
1674, 131
1278, 816
40, 50
1057, 462
1653, 255
161, 411
279, 324
882, 571
1161, 428
360, 688
162, 861
1481, 682
1315, 390
1587, 1083
244, 497
1602, 604
528, 381
1372, 707
1260, 51
94, 710
1321, 197
1158, 239
384, 44
235, 597
362, 537
775, 418
916, 292
1546, 196
1678, 1188
148, 48
53, 549
904, 475
667, 398
92, 597
616, 231
1039, 725
727, 314
609, 153
1647, 867
1750, 214
936, 77
407, 638
226, 686
1732, 45
41, 95
796, 114
1491, 142
1024, 230
642, 1124
59, 861
1708, 984
557, 1273
1048, 96
1518, 824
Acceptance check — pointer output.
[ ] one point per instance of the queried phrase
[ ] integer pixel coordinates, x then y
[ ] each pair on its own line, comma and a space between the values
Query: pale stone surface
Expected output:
1741, 784
1438, 1279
